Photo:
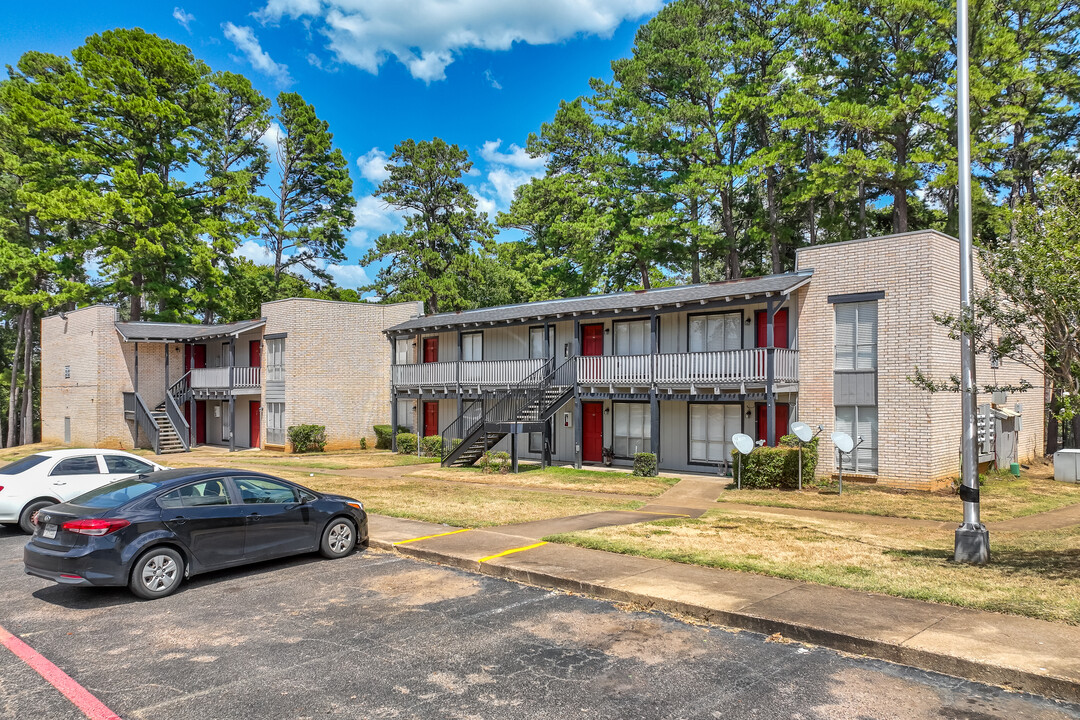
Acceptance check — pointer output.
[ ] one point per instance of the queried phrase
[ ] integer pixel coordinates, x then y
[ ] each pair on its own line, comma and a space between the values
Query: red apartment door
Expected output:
592, 339
431, 418
780, 328
200, 421
592, 431
255, 412
763, 421
194, 357
431, 350
255, 353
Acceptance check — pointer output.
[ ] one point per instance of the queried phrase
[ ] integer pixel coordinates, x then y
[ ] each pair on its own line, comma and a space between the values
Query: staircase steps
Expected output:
168, 439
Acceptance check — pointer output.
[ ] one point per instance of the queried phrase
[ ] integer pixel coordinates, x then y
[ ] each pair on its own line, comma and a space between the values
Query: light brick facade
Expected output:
918, 432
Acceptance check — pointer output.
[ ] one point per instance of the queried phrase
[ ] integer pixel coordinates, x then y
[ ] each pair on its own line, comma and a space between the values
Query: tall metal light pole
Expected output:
972, 539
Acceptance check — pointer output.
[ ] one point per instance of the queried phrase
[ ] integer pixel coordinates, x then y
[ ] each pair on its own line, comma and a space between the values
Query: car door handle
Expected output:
58, 482
254, 516
179, 520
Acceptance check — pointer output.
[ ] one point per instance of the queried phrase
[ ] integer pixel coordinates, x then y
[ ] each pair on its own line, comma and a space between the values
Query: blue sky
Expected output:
479, 73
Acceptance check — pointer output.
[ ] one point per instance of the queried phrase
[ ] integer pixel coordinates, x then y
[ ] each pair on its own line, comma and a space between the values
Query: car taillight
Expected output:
94, 527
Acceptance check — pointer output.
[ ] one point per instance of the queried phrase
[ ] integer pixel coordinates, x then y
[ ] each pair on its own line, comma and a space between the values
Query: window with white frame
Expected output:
275, 423
856, 336
859, 421
472, 347
275, 359
631, 428
711, 429
718, 331
402, 345
536, 342
632, 338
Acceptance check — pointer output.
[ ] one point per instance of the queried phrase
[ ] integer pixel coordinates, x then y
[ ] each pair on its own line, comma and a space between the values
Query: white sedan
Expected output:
56, 476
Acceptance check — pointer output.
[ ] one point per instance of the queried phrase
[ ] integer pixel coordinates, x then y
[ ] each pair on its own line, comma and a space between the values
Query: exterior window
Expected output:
224, 359
401, 350
472, 347
711, 428
536, 342
67, 372
632, 338
275, 423
859, 421
118, 464
275, 359
856, 336
631, 428
719, 331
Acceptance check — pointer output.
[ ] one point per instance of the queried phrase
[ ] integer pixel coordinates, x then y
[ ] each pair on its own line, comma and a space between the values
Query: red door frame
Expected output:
431, 418
780, 328
592, 431
592, 339
254, 421
431, 350
782, 415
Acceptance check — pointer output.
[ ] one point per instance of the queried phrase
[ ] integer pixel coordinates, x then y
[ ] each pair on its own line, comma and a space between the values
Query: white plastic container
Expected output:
1067, 465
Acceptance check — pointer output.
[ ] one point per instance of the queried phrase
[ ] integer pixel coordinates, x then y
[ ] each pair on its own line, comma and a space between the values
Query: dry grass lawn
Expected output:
1002, 497
1036, 574
560, 478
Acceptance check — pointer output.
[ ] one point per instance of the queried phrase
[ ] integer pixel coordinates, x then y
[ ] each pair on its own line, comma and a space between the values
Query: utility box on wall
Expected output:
1067, 465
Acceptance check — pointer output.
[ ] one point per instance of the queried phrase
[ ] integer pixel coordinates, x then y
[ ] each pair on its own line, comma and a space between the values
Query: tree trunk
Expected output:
28, 380
644, 268
13, 394
1014, 187
695, 246
733, 270
862, 209
900, 199
774, 240
135, 314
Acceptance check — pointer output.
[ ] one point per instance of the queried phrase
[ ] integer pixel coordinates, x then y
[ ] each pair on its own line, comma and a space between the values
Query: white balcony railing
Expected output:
487, 373
243, 378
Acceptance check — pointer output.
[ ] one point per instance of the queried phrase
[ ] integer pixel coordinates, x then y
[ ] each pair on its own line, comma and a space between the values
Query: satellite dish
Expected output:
743, 443
802, 431
843, 442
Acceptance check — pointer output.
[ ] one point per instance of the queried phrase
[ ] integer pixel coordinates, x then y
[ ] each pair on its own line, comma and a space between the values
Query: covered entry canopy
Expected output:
182, 332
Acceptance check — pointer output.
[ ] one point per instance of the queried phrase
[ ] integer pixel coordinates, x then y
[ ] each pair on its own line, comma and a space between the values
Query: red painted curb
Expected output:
79, 696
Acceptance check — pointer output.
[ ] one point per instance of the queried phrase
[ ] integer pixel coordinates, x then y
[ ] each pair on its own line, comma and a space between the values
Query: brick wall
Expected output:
337, 364
918, 432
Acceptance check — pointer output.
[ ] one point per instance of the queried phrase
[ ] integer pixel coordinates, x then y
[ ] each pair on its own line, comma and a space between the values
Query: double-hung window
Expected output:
717, 331
275, 359
632, 337
536, 342
711, 429
275, 423
472, 347
631, 428
855, 382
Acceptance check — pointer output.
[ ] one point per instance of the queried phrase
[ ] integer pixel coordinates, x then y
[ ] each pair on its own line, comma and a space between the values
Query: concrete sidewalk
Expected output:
1030, 655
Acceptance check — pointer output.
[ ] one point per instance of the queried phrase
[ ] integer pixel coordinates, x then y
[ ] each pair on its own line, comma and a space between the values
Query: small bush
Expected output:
776, 467
406, 443
432, 445
363, 443
383, 435
495, 462
644, 464
307, 438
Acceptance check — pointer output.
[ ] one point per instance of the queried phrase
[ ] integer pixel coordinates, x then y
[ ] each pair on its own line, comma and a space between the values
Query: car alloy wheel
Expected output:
157, 573
339, 539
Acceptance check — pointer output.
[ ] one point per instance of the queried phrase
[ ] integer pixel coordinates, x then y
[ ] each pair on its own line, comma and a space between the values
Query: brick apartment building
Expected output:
239, 385
678, 371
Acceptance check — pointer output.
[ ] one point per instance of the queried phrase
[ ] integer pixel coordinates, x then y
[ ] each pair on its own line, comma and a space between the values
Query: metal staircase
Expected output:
522, 408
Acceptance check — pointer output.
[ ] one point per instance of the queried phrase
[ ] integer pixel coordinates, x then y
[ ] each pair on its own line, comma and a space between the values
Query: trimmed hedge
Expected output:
383, 435
307, 438
406, 443
432, 445
644, 464
776, 467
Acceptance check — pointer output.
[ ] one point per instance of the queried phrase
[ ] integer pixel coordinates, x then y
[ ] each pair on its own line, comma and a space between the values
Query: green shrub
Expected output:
432, 445
495, 462
383, 434
307, 438
406, 443
776, 467
644, 464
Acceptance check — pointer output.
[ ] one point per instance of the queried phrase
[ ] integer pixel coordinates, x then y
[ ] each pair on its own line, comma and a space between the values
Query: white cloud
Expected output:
184, 18
491, 79
372, 165
375, 215
486, 205
348, 276
518, 157
504, 182
255, 252
272, 138
245, 41
426, 35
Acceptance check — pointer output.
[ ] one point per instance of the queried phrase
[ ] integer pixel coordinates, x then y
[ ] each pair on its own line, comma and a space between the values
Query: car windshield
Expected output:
115, 494
22, 465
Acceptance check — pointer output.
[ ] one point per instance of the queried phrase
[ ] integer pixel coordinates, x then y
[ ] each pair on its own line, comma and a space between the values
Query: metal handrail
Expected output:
179, 422
144, 419
180, 390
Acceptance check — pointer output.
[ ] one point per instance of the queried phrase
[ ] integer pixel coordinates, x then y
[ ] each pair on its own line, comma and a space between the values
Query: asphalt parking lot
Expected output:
379, 636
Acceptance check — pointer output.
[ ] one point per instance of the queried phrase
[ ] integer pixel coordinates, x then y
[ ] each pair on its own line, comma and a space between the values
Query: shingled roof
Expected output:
635, 300
182, 332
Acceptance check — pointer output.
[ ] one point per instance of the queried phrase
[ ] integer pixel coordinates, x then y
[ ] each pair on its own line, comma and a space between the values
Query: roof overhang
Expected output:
180, 333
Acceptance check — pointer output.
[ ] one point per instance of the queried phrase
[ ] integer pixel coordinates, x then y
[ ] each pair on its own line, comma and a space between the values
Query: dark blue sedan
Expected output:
150, 531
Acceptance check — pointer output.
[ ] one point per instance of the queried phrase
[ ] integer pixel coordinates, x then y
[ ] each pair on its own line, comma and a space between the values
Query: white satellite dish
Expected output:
843, 442
802, 431
743, 443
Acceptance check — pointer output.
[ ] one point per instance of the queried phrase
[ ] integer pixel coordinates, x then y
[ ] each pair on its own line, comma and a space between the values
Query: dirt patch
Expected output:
423, 587
648, 640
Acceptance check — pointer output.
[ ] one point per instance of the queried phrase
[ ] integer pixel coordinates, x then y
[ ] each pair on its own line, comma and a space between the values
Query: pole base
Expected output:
972, 544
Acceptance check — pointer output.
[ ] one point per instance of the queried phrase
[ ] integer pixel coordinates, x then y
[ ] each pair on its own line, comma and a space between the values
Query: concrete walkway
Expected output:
1022, 653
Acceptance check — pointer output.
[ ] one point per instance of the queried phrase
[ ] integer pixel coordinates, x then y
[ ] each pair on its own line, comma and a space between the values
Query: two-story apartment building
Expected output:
171, 386
677, 371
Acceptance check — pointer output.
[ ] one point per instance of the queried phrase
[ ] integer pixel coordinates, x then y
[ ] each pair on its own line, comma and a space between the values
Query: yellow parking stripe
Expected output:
511, 552
428, 537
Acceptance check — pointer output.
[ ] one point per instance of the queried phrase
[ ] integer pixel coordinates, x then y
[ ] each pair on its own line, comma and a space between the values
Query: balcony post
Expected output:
457, 375
770, 375
393, 419
654, 400
579, 436
232, 396
135, 383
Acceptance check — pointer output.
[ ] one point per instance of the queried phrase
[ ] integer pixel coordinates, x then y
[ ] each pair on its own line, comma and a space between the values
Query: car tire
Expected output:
157, 573
26, 523
338, 539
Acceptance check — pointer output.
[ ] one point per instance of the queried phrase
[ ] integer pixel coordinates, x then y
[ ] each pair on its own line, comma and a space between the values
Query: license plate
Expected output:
49, 531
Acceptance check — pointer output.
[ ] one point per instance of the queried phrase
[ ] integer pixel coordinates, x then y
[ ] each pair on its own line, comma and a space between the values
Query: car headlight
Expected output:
357, 505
